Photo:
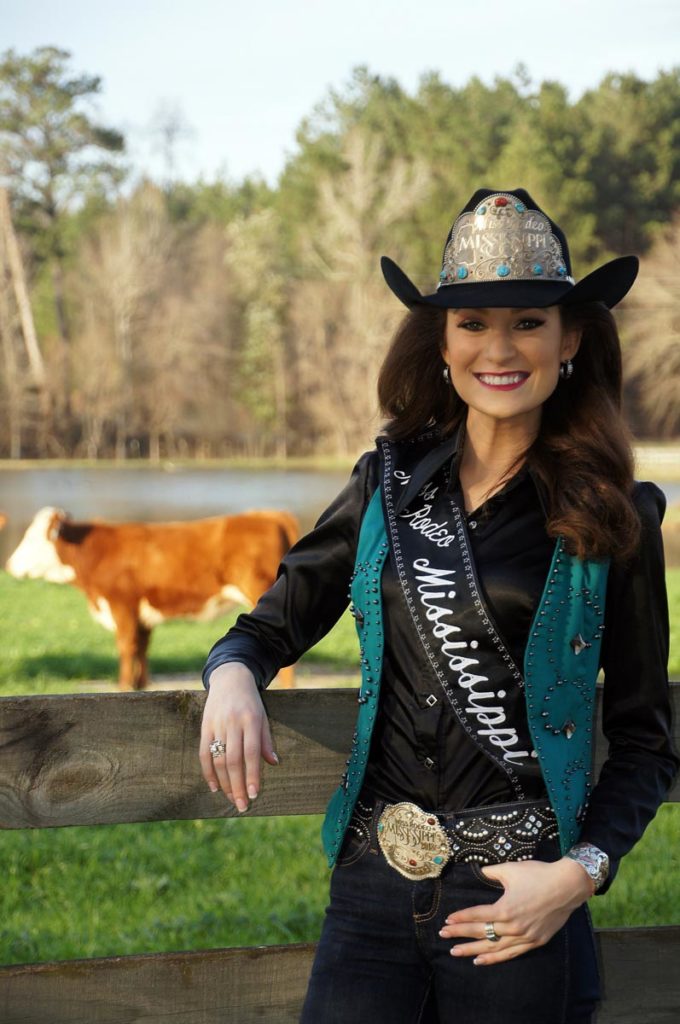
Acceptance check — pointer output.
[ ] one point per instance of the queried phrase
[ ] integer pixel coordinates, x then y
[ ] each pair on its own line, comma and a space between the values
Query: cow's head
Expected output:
36, 556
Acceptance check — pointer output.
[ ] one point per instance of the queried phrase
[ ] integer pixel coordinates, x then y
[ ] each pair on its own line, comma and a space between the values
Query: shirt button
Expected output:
428, 762
473, 524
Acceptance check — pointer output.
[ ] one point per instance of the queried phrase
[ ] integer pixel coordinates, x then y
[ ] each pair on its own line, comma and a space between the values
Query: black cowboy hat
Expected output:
503, 250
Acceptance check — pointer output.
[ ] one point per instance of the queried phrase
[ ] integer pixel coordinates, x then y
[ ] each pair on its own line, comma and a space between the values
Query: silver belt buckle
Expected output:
413, 841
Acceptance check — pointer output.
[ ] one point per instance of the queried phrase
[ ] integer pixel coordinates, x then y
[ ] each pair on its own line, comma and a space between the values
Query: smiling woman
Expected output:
497, 553
504, 363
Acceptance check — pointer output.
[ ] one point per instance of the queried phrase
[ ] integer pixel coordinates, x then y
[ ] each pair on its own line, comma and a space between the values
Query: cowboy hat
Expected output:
503, 250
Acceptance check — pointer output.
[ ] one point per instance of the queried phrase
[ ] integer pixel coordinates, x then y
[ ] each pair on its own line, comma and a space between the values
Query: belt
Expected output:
419, 844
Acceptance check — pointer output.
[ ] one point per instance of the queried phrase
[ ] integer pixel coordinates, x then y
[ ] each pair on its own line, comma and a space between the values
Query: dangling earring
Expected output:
445, 373
566, 369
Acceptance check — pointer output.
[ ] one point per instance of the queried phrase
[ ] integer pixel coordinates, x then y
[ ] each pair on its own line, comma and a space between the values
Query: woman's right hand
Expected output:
235, 714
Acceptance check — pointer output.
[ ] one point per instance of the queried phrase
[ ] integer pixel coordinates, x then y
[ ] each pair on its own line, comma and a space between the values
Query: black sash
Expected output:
464, 649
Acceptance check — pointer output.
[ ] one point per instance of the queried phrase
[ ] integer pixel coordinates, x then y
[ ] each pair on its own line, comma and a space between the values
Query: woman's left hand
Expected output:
538, 899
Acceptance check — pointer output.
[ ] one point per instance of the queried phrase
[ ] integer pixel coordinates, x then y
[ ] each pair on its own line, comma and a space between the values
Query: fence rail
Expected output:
63, 762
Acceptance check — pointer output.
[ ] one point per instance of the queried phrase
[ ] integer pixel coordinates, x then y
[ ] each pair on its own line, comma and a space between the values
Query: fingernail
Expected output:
242, 805
478, 960
276, 757
213, 787
252, 792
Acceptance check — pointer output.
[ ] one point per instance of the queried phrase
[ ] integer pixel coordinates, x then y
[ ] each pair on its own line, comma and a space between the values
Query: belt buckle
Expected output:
413, 841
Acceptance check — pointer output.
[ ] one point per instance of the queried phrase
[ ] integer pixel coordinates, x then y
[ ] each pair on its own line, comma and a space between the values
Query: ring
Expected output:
491, 932
217, 747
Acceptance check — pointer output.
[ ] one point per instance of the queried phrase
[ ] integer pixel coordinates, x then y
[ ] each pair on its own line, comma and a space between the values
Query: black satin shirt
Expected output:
418, 751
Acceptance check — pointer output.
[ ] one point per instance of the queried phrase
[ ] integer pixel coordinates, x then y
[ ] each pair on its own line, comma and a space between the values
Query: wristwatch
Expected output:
593, 860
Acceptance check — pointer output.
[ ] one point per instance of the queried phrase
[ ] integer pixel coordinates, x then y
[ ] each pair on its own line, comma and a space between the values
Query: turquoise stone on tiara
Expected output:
503, 270
462, 273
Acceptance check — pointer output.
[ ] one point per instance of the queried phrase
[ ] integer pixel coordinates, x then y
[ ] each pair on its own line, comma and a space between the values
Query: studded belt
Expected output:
418, 844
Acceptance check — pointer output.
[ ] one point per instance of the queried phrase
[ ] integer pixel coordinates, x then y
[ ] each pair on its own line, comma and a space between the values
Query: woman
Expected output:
497, 553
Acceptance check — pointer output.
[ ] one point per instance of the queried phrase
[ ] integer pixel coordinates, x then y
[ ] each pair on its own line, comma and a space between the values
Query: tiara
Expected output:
502, 240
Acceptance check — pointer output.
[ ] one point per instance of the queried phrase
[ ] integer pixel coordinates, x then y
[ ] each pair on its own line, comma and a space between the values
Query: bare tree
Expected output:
151, 329
652, 322
253, 263
348, 322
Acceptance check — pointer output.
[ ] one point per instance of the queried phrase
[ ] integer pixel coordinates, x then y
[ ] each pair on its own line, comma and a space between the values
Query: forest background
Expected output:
203, 319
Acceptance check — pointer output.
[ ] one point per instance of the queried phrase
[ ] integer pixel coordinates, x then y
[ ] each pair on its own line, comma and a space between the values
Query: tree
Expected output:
343, 313
652, 346
631, 148
253, 263
51, 156
150, 322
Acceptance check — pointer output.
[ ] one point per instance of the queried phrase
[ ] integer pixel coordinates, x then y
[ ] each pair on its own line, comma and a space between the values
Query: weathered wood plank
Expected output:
640, 977
266, 985
107, 758
262, 985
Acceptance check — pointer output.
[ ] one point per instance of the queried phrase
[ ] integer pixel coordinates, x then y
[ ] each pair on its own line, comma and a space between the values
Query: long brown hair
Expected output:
582, 454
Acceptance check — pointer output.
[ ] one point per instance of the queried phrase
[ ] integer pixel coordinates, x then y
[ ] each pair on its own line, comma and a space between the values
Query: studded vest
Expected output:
561, 663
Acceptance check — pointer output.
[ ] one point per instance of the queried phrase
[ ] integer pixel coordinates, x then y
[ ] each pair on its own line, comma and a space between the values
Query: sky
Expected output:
242, 75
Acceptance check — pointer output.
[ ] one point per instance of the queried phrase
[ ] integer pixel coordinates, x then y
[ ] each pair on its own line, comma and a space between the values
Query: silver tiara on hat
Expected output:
502, 240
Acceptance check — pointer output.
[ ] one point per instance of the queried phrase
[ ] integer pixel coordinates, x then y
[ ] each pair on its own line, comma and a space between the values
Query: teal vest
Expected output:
561, 664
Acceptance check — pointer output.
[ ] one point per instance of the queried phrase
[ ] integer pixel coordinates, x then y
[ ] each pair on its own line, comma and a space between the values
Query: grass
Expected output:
113, 890
161, 886
51, 645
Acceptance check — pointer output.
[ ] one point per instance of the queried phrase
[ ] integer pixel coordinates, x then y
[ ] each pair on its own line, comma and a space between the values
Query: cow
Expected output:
137, 575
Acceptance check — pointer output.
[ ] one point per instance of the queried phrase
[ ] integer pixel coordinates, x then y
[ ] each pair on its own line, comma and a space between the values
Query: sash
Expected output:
464, 649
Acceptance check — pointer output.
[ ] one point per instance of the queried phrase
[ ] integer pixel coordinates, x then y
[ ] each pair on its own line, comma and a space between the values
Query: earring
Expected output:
566, 369
445, 373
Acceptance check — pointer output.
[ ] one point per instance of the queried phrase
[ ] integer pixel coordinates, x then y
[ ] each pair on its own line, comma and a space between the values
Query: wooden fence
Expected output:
84, 760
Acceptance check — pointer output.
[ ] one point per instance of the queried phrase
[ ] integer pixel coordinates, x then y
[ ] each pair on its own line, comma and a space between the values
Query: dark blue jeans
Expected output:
380, 958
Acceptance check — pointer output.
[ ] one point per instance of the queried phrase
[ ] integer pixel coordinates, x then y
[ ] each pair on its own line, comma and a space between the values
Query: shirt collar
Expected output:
449, 450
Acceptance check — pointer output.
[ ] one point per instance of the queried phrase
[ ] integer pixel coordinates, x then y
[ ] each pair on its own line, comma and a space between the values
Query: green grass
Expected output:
163, 886
50, 643
109, 890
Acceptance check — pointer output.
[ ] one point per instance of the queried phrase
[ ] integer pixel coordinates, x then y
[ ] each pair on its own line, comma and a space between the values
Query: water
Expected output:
166, 494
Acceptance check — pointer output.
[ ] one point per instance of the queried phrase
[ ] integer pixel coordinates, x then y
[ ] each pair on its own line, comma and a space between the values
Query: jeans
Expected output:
380, 958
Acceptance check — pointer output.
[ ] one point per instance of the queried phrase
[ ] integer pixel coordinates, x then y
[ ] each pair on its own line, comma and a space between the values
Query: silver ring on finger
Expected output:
217, 748
491, 932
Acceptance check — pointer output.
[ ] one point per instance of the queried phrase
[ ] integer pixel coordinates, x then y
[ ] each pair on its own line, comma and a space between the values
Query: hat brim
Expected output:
608, 284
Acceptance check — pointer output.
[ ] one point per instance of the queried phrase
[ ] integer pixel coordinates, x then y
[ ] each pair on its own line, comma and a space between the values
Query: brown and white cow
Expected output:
136, 575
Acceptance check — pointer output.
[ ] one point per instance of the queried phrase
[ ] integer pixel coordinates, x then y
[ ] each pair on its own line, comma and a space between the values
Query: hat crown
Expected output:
504, 237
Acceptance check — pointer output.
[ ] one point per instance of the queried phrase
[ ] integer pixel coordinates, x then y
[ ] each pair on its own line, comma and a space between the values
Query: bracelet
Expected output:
593, 860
